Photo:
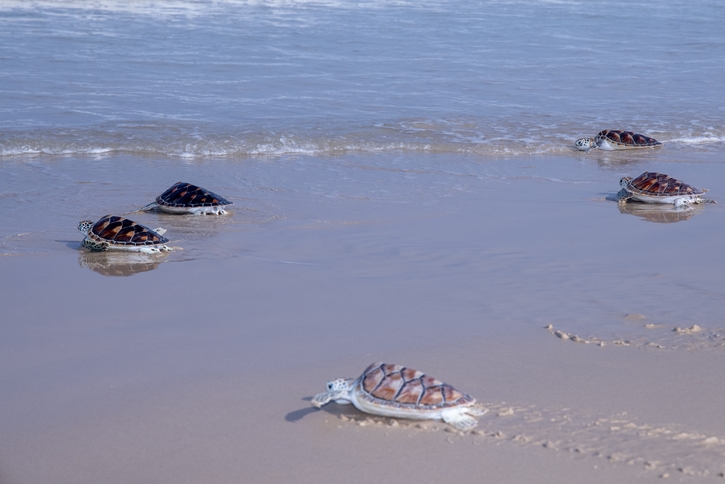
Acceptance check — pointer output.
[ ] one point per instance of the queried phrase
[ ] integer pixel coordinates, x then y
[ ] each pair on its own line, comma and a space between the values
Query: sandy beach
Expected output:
199, 366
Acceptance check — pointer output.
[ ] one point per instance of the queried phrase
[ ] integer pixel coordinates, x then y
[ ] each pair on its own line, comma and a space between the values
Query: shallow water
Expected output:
253, 77
541, 237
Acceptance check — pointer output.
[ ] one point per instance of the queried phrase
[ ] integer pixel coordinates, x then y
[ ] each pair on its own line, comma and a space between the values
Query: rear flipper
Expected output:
149, 207
463, 419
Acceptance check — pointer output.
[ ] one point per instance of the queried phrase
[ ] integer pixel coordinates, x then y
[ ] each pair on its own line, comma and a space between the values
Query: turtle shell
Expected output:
187, 195
655, 184
117, 230
627, 138
395, 385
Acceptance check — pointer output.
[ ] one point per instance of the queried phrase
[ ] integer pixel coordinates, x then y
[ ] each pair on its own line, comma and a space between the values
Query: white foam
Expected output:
696, 140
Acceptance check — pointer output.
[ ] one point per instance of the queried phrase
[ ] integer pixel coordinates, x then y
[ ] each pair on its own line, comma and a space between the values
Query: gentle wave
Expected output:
177, 140
198, 8
699, 140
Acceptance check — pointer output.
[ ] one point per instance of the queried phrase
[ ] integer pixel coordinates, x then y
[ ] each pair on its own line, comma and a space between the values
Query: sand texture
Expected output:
593, 333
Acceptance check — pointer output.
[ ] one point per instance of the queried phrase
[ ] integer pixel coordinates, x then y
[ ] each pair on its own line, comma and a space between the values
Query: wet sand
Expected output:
199, 366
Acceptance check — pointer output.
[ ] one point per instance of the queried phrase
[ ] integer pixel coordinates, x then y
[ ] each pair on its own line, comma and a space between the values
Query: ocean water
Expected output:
244, 78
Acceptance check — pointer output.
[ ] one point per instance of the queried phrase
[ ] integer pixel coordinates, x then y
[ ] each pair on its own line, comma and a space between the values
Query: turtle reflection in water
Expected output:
663, 214
119, 264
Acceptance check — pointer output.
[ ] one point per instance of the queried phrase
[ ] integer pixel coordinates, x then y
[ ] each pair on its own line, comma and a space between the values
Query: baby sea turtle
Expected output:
397, 391
112, 232
614, 139
187, 198
653, 187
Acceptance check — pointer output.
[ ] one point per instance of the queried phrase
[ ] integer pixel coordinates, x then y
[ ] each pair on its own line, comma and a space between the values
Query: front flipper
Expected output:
94, 246
623, 195
321, 399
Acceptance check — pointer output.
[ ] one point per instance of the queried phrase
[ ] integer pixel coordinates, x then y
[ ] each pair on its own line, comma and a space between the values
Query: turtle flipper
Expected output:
463, 419
623, 195
94, 246
321, 399
146, 208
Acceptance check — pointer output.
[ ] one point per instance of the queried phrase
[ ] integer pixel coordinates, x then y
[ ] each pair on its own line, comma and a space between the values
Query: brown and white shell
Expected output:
627, 139
401, 387
655, 184
121, 231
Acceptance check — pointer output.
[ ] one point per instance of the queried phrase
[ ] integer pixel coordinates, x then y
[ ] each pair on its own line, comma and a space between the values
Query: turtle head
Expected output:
584, 144
337, 390
624, 181
85, 226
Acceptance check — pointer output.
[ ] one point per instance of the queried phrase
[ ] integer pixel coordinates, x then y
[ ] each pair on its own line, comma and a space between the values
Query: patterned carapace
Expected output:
659, 184
187, 195
627, 138
122, 231
397, 385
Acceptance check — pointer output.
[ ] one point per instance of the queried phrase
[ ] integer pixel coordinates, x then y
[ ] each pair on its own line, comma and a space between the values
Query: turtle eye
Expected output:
329, 386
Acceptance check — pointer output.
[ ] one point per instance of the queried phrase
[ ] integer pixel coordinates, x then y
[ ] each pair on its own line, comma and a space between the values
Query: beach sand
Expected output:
516, 280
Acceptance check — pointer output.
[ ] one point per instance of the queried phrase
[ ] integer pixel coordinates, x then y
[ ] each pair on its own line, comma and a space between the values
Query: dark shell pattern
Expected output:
122, 231
187, 195
401, 387
660, 185
627, 138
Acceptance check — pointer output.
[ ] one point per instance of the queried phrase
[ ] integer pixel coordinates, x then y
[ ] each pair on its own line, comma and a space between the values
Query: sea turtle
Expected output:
112, 232
187, 198
653, 187
615, 139
397, 391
